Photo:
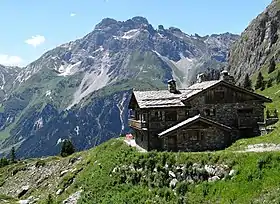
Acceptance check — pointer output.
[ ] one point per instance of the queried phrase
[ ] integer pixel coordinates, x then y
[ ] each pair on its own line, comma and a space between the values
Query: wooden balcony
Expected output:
138, 124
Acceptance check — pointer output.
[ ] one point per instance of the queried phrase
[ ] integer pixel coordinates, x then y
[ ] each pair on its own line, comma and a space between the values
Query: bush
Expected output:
269, 83
67, 148
4, 162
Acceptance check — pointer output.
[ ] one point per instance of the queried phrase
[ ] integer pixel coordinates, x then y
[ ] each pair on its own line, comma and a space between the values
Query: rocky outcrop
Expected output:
258, 43
170, 175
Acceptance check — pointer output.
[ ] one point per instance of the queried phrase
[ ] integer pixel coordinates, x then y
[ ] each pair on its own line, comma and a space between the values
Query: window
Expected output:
171, 115
210, 112
144, 117
195, 135
219, 95
207, 112
245, 110
157, 116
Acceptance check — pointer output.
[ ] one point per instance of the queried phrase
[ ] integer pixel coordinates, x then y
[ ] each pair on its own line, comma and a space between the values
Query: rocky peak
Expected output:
140, 20
106, 22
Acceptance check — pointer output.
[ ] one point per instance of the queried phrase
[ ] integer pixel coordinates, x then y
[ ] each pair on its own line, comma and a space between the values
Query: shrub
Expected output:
4, 162
269, 83
67, 148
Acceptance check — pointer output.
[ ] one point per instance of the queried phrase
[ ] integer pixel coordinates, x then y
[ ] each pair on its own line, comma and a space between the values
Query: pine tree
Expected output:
3, 162
67, 148
272, 65
247, 83
278, 77
13, 155
260, 82
269, 83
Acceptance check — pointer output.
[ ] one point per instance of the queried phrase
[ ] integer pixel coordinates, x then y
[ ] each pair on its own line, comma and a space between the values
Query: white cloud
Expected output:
35, 40
10, 60
73, 14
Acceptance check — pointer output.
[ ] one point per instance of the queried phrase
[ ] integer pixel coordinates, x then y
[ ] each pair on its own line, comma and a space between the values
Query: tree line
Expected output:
260, 82
67, 148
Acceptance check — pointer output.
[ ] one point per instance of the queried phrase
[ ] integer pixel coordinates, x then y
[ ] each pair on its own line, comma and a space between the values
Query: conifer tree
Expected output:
260, 82
269, 83
13, 155
247, 83
67, 148
278, 77
271, 66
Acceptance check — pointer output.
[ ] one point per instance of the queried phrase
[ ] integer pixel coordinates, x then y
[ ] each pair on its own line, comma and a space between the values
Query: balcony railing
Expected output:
137, 123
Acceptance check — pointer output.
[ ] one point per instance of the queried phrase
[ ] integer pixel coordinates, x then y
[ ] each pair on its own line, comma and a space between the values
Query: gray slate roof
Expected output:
163, 98
192, 119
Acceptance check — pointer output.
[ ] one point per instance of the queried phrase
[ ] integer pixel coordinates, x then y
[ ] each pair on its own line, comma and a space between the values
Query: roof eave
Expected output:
211, 122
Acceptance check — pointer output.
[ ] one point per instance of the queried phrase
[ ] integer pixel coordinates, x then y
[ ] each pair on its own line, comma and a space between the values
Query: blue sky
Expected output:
31, 27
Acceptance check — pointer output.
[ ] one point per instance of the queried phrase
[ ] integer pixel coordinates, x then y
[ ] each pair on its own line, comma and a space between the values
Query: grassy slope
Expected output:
257, 178
273, 93
257, 174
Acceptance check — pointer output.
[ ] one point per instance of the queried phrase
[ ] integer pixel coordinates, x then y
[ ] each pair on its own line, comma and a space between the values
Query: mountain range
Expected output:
80, 90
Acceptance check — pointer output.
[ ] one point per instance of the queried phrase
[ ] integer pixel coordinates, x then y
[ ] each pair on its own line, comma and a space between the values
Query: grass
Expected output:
257, 174
273, 93
257, 177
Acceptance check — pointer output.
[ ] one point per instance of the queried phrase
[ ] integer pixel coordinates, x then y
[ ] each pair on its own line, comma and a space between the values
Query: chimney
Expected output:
226, 77
172, 86
201, 77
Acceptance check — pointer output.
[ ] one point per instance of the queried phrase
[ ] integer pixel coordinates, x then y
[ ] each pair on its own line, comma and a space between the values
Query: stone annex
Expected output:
208, 115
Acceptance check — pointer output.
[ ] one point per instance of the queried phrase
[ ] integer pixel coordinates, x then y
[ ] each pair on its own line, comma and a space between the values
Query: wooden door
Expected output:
172, 143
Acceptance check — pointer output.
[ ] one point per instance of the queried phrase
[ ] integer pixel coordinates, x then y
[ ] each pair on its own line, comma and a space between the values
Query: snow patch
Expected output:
3, 81
77, 130
160, 35
93, 81
39, 123
131, 34
69, 69
48, 93
121, 109
59, 141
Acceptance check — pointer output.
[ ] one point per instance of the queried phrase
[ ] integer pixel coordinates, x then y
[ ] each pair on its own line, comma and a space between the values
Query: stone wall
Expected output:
213, 139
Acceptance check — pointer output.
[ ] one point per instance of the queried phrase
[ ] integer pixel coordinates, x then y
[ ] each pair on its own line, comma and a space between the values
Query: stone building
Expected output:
209, 115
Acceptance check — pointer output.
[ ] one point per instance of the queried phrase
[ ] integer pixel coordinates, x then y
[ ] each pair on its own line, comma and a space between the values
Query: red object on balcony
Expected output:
129, 136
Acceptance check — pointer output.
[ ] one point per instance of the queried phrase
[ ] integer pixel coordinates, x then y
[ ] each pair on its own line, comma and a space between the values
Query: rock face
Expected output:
258, 44
80, 90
